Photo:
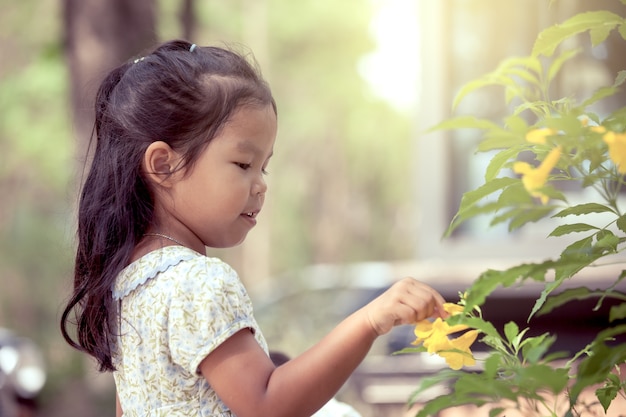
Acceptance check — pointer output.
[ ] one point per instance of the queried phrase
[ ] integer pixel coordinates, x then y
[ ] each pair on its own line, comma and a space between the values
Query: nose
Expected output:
259, 186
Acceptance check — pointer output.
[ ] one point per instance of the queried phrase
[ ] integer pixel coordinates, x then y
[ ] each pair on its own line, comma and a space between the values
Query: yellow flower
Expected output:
434, 336
426, 329
459, 354
437, 342
453, 309
617, 149
539, 136
535, 178
423, 330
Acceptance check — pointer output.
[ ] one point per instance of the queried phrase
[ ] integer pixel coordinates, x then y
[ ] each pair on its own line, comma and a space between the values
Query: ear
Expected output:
160, 162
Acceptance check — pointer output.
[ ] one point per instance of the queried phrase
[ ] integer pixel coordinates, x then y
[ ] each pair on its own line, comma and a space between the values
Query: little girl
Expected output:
183, 139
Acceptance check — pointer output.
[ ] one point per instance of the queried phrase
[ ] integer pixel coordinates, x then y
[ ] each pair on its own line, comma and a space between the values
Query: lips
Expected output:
250, 216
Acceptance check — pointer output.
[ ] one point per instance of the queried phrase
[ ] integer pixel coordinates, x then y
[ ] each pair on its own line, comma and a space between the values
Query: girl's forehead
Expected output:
251, 130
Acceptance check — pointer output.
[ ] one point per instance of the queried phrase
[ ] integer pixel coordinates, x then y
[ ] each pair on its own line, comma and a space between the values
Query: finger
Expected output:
438, 300
421, 305
420, 289
411, 314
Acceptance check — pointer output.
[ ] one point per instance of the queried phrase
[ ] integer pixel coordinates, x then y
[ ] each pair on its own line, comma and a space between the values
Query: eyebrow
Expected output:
249, 146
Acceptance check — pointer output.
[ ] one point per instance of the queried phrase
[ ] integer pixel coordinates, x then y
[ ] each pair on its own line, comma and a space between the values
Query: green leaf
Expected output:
620, 79
536, 107
606, 91
491, 279
607, 394
504, 76
530, 62
600, 33
572, 228
524, 74
492, 365
475, 323
533, 214
417, 349
621, 223
495, 412
443, 377
549, 39
468, 208
500, 139
558, 62
599, 94
606, 243
564, 297
471, 197
538, 377
519, 340
504, 216
464, 122
468, 213
596, 367
533, 348
499, 161
479, 387
609, 292
617, 312
511, 331
580, 250
516, 195
544, 295
516, 124
585, 208
435, 405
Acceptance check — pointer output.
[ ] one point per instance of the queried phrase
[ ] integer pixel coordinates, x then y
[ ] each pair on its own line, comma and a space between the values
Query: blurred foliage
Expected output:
342, 157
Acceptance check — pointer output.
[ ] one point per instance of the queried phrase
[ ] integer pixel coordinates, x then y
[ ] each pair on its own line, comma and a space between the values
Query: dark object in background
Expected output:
22, 375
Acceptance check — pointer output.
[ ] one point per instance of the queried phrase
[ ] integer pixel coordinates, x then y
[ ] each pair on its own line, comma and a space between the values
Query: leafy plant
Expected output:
568, 143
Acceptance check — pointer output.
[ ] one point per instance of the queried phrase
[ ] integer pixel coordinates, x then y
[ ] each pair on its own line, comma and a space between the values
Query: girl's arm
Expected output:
247, 381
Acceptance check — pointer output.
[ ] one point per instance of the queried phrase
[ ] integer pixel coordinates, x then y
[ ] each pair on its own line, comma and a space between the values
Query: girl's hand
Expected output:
406, 302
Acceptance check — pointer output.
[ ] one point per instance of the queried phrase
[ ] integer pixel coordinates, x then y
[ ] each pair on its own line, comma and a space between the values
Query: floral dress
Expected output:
175, 307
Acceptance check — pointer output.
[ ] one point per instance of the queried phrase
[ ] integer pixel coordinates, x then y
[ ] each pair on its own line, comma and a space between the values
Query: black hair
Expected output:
178, 94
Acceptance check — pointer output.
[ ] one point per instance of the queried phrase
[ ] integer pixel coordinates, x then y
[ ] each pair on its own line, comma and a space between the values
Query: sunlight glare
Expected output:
392, 70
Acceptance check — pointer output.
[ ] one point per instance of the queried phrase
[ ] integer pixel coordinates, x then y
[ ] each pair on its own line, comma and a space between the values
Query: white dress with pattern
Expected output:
176, 306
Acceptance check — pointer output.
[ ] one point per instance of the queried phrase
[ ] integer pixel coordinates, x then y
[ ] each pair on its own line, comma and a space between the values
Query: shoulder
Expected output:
203, 271
175, 266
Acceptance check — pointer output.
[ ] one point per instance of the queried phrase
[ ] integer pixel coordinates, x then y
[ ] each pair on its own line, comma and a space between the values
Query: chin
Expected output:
225, 244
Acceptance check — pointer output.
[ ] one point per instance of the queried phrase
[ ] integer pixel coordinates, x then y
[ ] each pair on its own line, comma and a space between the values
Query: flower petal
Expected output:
452, 308
539, 136
535, 178
617, 149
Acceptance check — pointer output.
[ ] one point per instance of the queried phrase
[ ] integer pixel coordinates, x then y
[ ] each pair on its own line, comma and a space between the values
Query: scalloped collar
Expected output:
148, 266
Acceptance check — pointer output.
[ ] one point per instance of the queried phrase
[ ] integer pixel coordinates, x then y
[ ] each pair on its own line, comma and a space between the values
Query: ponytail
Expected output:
115, 207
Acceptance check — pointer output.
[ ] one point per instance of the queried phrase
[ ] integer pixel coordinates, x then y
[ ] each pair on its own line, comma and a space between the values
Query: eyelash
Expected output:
247, 166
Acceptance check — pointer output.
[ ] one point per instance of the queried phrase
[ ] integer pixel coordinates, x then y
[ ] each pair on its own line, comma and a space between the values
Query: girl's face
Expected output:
215, 203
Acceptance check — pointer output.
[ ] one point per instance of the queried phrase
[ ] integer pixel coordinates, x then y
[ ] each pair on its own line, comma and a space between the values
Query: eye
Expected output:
243, 166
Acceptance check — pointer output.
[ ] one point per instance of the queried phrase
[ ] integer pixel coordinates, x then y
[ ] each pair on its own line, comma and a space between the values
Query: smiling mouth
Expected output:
251, 214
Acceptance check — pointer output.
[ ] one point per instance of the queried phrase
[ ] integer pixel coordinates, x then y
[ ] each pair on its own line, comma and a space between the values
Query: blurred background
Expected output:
359, 193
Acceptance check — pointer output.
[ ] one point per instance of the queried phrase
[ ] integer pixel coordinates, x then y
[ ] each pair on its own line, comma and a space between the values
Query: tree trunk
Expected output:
100, 35
188, 19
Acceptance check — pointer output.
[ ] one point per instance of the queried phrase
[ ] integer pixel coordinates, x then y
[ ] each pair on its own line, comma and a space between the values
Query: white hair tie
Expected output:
192, 47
